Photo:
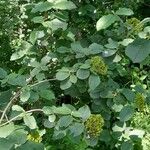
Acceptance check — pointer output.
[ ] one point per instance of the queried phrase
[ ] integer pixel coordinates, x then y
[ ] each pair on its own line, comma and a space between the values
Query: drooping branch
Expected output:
18, 94
13, 119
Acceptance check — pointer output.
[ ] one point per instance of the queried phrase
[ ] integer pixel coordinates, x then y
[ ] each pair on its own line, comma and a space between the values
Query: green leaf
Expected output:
129, 94
6, 144
66, 84
52, 118
126, 113
38, 19
61, 75
73, 78
6, 130
64, 5
105, 21
94, 81
138, 50
65, 121
47, 110
19, 136
55, 24
16, 79
83, 74
29, 145
42, 6
112, 44
127, 146
59, 134
25, 95
76, 129
124, 12
84, 112
49, 124
34, 35
24, 48
105, 136
47, 94
3, 73
96, 48
17, 108
30, 121
64, 110
126, 42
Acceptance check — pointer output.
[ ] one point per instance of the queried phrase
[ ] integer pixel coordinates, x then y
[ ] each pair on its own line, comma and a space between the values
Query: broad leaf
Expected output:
47, 94
127, 146
84, 112
31, 146
83, 74
126, 113
52, 118
64, 110
66, 84
25, 95
19, 136
105, 21
124, 12
94, 81
138, 50
42, 6
76, 129
6, 130
17, 108
30, 121
61, 75
55, 24
3, 73
65, 121
6, 144
73, 78
64, 5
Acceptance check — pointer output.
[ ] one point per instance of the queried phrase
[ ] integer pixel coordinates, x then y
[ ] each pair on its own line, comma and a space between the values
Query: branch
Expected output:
9, 105
47, 80
18, 94
13, 119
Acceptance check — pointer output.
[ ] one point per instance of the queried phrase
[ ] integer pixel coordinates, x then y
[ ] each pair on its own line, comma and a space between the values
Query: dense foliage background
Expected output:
75, 75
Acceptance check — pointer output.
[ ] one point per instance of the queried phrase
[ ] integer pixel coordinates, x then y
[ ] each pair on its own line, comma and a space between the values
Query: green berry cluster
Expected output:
35, 137
140, 101
94, 125
135, 25
98, 65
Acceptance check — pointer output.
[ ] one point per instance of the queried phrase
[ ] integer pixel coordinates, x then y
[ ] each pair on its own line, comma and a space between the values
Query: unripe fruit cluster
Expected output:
135, 24
140, 101
98, 65
94, 125
35, 137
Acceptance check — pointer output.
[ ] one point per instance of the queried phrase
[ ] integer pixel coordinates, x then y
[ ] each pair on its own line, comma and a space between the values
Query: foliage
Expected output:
74, 75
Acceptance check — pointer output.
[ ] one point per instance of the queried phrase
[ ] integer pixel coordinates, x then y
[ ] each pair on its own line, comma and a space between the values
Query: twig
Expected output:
9, 105
47, 80
5, 115
18, 94
30, 111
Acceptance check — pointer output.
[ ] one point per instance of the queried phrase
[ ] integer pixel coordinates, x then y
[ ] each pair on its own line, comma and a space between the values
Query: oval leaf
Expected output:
126, 113
94, 81
138, 50
105, 21
83, 74
124, 12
